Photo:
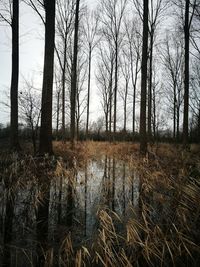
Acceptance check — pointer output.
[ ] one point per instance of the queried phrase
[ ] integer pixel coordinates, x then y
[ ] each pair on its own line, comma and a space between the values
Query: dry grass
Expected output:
164, 230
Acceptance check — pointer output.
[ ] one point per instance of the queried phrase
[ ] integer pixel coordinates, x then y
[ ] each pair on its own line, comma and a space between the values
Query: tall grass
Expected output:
162, 230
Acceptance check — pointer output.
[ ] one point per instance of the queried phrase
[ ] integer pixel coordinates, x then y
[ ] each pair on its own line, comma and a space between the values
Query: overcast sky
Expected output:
31, 57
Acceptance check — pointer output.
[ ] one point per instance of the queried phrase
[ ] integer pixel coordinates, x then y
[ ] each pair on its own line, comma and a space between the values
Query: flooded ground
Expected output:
72, 206
53, 215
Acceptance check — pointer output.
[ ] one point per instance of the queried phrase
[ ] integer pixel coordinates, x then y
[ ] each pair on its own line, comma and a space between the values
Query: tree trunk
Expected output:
63, 87
115, 89
14, 139
106, 118
57, 114
198, 125
110, 101
125, 106
154, 112
143, 137
186, 80
47, 89
88, 96
134, 82
150, 86
74, 78
174, 115
177, 123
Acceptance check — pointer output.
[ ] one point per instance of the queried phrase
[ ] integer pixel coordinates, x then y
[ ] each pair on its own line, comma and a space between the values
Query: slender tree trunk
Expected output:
177, 122
150, 86
198, 125
115, 89
14, 139
74, 77
63, 87
154, 112
47, 89
106, 117
125, 106
88, 96
178, 117
134, 83
174, 115
110, 102
143, 137
57, 113
186, 80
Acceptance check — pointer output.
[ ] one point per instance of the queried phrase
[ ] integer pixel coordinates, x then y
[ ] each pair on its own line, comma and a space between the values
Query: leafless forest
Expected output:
118, 185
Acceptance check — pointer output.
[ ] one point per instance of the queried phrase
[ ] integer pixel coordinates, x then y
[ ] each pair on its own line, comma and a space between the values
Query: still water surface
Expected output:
72, 207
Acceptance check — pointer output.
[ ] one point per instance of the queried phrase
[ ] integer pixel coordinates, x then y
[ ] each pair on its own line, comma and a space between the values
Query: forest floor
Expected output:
106, 205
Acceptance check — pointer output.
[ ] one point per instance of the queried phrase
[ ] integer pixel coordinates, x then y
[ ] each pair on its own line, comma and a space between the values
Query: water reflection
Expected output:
45, 210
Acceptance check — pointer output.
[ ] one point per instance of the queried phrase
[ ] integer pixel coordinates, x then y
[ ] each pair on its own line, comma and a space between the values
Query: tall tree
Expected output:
64, 22
10, 15
172, 57
74, 77
187, 26
45, 141
125, 66
111, 17
134, 42
104, 78
90, 33
143, 136
186, 80
14, 141
156, 10
187, 10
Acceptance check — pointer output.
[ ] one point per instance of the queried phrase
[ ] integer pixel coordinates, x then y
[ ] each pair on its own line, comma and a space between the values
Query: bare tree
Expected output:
172, 58
30, 110
185, 13
134, 43
156, 10
125, 66
45, 145
57, 94
81, 96
64, 29
195, 95
74, 76
143, 137
9, 13
187, 27
90, 37
112, 12
104, 77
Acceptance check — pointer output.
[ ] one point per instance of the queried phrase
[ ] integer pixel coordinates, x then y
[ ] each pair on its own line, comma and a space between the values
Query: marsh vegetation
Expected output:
105, 206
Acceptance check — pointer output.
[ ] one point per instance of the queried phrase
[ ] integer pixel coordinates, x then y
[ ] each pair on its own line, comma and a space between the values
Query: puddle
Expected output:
100, 184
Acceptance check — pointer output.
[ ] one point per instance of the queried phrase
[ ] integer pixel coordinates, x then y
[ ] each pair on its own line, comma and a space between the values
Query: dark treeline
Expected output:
144, 59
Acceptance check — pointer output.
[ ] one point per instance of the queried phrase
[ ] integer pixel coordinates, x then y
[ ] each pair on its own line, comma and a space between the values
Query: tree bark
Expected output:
47, 89
110, 101
14, 139
174, 115
134, 82
150, 86
143, 137
115, 89
74, 78
88, 96
63, 87
186, 80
